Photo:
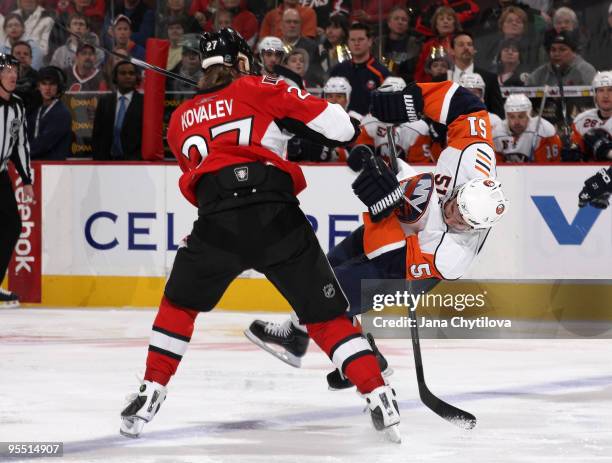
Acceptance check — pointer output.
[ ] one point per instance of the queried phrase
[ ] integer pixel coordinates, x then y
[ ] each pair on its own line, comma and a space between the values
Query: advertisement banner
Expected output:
129, 220
24, 272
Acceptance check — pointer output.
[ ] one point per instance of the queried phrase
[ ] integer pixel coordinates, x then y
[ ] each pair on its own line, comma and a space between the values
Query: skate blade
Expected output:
392, 434
131, 427
286, 357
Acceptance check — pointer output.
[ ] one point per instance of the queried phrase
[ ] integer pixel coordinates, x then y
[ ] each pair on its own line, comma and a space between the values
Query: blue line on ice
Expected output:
200, 430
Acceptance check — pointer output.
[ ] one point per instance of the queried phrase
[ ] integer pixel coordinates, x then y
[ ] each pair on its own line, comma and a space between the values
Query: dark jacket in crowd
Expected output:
52, 143
131, 132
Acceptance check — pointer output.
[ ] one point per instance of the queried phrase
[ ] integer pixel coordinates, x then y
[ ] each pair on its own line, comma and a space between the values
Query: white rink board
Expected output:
146, 198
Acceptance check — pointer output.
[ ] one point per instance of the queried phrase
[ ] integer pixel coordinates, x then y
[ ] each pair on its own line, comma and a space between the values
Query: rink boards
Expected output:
109, 234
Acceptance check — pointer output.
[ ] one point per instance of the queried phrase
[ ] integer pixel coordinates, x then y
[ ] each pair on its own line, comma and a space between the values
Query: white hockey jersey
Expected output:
512, 149
586, 121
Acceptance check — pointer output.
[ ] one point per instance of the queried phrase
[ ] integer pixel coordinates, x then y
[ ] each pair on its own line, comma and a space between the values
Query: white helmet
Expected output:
518, 103
481, 202
270, 43
472, 80
601, 79
338, 85
393, 84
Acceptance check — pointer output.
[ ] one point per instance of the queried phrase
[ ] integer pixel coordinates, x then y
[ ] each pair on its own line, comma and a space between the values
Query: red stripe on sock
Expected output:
160, 367
363, 372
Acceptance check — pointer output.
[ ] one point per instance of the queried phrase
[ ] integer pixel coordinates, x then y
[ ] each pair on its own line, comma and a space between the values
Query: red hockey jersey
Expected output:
243, 122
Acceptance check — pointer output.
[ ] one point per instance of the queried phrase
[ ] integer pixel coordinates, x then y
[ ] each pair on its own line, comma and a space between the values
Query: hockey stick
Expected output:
134, 61
534, 142
441, 408
566, 125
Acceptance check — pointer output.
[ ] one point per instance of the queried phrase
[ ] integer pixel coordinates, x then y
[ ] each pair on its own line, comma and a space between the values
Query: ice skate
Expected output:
8, 299
287, 336
384, 412
142, 408
336, 381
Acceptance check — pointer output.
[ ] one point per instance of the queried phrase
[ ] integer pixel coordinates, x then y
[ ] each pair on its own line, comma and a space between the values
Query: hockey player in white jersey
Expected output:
592, 129
475, 83
516, 139
382, 250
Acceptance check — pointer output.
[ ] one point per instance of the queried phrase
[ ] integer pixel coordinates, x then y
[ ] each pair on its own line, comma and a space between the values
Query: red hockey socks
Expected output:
170, 337
349, 350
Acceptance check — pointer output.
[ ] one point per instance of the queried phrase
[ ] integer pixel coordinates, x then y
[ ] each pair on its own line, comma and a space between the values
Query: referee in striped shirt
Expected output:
14, 147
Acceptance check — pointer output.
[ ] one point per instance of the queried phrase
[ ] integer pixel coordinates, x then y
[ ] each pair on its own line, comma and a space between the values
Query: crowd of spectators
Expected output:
508, 42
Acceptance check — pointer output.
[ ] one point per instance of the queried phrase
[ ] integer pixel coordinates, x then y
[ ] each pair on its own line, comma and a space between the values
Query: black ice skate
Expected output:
8, 299
142, 408
286, 336
336, 381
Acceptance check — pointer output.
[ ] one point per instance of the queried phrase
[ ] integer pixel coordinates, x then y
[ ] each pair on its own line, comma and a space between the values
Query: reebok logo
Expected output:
410, 111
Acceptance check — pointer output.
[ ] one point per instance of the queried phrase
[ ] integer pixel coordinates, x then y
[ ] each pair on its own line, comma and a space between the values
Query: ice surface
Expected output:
64, 375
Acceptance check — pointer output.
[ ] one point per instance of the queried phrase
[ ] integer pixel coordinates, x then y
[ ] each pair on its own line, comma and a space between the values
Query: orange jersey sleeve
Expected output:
419, 265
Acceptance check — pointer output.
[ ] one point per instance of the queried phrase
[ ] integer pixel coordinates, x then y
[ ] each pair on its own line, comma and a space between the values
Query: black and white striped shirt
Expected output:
13, 138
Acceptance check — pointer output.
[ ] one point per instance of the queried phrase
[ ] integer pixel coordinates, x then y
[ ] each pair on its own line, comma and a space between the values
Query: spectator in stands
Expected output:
271, 53
63, 11
467, 12
298, 61
27, 77
121, 32
190, 67
63, 57
565, 19
38, 23
14, 31
462, 53
142, 17
177, 10
438, 64
333, 48
446, 23
513, 24
363, 71
290, 35
366, 11
50, 124
564, 60
600, 43
271, 24
509, 64
174, 31
488, 22
84, 75
222, 19
399, 49
117, 130
243, 20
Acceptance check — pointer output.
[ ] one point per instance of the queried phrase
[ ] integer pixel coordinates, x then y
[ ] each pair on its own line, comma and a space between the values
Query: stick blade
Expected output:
450, 413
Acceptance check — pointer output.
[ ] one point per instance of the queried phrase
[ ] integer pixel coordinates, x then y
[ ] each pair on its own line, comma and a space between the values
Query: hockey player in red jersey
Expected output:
230, 144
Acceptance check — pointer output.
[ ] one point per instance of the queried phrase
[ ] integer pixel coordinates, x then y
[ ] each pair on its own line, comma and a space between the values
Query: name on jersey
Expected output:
206, 112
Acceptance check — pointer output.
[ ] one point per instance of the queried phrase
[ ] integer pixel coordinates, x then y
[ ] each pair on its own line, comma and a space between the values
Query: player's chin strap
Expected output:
134, 61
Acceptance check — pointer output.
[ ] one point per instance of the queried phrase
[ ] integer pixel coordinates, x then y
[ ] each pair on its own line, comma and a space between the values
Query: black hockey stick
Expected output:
441, 408
566, 128
134, 61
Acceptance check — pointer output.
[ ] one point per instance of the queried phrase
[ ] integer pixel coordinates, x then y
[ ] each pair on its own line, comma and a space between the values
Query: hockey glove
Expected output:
599, 142
397, 107
571, 154
377, 187
357, 155
596, 190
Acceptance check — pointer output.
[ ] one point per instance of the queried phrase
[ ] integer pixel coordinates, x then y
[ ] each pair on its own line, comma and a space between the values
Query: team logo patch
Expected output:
417, 193
329, 291
371, 85
14, 129
500, 209
489, 183
241, 173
